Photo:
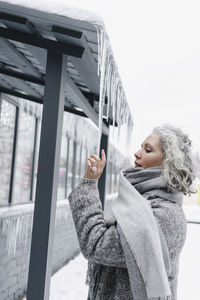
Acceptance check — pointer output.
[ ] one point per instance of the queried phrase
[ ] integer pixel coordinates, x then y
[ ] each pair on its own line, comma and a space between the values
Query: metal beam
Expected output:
82, 102
86, 66
27, 38
23, 76
16, 22
19, 84
38, 100
79, 99
14, 155
102, 179
23, 25
19, 59
47, 179
20, 95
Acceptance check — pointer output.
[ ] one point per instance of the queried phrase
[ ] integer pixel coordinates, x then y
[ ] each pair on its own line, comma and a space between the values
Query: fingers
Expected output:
103, 155
96, 157
89, 163
94, 161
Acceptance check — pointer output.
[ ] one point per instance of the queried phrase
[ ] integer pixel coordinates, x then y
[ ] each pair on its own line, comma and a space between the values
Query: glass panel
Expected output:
7, 123
80, 161
115, 178
62, 169
70, 169
24, 158
111, 172
36, 156
108, 177
83, 161
78, 148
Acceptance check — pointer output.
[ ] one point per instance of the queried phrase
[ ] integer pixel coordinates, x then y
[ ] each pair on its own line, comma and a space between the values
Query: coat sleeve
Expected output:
99, 243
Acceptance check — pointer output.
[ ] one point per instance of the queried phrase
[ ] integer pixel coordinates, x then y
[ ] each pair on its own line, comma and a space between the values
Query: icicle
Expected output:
110, 85
17, 230
109, 89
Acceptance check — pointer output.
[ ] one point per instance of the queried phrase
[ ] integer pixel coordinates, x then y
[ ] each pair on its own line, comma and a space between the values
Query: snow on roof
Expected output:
59, 7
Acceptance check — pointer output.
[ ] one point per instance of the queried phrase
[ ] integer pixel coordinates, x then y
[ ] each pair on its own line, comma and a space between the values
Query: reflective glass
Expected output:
70, 169
62, 169
78, 148
24, 158
36, 157
7, 123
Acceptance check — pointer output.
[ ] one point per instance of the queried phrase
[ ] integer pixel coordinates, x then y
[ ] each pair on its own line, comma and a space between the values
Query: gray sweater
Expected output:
100, 242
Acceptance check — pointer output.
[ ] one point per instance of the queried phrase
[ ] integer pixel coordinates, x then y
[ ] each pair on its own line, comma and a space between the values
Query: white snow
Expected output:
69, 282
59, 7
192, 213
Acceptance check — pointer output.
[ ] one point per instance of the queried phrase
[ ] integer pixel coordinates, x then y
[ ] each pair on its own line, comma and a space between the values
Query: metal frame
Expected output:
31, 39
14, 152
102, 180
47, 180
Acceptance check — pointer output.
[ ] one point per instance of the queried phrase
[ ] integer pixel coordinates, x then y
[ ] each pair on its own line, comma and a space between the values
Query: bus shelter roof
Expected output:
26, 33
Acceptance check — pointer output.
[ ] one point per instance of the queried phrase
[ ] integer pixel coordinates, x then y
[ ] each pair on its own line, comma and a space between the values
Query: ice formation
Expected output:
111, 86
110, 81
17, 229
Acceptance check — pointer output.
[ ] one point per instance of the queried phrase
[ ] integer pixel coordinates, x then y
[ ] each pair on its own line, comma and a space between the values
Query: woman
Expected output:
136, 254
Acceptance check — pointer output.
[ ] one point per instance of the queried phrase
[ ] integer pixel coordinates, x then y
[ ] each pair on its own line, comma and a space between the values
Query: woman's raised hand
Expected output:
95, 166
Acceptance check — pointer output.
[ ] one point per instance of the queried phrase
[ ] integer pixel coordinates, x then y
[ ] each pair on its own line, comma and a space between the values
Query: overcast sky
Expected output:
156, 45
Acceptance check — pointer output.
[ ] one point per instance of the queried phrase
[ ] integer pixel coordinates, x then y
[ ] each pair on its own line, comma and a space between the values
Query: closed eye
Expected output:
148, 150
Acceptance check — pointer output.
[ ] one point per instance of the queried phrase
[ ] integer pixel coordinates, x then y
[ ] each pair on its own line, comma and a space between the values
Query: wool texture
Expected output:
145, 247
102, 245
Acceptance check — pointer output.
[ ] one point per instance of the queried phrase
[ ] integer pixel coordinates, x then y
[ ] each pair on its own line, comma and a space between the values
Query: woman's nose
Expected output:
138, 154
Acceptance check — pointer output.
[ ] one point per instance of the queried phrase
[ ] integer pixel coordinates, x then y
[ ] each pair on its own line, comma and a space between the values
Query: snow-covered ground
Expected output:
69, 282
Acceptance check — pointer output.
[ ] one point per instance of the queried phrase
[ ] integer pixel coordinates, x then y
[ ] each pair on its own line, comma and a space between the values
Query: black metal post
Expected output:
47, 179
14, 155
102, 179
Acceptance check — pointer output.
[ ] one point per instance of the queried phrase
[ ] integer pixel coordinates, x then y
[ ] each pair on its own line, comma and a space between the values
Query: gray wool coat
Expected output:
100, 242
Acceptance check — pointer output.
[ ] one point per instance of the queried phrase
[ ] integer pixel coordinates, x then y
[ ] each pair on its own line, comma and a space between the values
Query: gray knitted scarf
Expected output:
142, 240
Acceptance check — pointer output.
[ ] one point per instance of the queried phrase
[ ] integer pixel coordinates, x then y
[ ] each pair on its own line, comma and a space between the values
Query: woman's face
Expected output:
150, 153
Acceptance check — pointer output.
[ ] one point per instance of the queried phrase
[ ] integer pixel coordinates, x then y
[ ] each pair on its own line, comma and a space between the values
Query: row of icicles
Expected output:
111, 86
18, 229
